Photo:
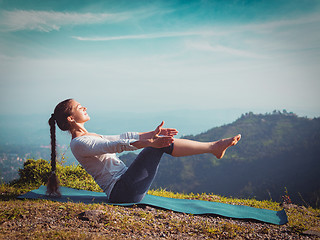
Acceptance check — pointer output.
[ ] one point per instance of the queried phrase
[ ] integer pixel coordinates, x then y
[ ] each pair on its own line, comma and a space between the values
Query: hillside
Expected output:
43, 219
40, 219
278, 153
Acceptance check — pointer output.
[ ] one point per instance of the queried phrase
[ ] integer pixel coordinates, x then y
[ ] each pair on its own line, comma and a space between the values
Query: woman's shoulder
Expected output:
79, 135
83, 143
85, 136
83, 140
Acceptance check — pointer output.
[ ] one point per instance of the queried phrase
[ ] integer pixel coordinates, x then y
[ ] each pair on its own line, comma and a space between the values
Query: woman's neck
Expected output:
78, 130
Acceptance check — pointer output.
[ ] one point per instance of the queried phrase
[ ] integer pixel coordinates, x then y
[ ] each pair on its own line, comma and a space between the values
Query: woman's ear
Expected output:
70, 119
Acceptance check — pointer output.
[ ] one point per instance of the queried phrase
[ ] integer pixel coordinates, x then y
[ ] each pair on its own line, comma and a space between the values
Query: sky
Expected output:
154, 56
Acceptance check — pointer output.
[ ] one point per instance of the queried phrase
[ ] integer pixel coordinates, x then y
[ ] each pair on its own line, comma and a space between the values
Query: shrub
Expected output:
36, 172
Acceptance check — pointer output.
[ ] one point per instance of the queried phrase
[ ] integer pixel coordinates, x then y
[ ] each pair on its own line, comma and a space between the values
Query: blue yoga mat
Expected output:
177, 205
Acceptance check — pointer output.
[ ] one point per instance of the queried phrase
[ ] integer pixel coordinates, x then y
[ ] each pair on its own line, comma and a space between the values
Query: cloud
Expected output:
266, 39
47, 21
227, 29
207, 47
276, 24
148, 36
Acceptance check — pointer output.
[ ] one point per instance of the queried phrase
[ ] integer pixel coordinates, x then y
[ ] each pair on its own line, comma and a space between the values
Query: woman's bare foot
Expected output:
219, 148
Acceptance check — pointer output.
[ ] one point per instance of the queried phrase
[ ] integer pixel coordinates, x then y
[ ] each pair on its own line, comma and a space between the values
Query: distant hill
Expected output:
278, 152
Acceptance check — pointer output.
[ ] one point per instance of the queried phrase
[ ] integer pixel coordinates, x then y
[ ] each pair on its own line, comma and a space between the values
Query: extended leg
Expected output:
185, 147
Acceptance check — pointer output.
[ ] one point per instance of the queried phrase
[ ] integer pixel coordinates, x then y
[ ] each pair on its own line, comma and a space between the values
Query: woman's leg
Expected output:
185, 147
136, 181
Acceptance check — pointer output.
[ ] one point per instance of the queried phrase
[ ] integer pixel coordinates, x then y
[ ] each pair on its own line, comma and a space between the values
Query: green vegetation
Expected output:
278, 152
43, 219
277, 160
36, 172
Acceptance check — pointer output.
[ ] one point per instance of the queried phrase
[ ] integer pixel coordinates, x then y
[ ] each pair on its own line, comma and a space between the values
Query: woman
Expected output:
97, 153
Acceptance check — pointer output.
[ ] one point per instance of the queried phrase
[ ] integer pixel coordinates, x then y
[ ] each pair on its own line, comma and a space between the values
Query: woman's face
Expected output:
79, 113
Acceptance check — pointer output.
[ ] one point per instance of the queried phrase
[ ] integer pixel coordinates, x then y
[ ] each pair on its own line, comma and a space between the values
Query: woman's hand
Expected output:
160, 141
166, 131
160, 137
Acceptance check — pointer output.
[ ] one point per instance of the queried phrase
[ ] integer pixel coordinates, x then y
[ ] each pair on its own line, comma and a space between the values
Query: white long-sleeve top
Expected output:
97, 155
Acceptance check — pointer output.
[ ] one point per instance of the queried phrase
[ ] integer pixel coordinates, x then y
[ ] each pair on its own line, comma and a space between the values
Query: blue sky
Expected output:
147, 56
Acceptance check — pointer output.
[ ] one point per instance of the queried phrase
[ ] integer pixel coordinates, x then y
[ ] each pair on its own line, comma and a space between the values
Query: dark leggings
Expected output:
136, 181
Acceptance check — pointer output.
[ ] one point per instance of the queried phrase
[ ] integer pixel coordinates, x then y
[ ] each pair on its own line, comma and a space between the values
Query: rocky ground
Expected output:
41, 219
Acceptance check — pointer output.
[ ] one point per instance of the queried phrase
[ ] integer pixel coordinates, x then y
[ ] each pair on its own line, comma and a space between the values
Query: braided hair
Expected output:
61, 112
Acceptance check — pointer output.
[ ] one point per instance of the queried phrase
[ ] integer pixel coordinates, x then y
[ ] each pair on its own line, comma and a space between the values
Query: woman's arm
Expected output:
143, 135
94, 145
127, 135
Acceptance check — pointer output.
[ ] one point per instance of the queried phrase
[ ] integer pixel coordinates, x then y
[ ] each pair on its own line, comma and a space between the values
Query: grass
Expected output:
266, 204
300, 218
121, 221
43, 219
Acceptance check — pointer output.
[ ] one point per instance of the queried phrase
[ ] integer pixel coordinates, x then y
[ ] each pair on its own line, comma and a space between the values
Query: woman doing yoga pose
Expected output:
97, 153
